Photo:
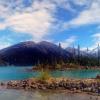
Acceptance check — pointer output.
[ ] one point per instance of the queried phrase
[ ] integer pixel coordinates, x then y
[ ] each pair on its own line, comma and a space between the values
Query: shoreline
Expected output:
66, 68
88, 86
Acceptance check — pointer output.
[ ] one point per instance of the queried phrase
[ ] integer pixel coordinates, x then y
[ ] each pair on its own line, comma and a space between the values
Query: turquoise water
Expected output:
18, 73
37, 95
77, 73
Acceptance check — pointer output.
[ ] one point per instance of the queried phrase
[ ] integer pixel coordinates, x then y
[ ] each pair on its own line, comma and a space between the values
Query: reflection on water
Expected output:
35, 95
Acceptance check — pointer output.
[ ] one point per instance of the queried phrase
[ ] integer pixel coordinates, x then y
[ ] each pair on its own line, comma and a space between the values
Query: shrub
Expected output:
44, 75
72, 65
58, 66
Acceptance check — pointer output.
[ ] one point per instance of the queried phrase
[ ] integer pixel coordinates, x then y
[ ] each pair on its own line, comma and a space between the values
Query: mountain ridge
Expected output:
30, 53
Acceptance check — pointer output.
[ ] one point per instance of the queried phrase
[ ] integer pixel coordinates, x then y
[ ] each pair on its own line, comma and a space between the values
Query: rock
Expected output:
85, 85
2, 84
98, 77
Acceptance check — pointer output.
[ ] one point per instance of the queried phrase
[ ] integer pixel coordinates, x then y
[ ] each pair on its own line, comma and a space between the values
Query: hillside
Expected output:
31, 53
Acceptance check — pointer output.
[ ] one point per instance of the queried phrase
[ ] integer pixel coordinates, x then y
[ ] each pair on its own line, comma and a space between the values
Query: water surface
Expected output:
18, 73
36, 95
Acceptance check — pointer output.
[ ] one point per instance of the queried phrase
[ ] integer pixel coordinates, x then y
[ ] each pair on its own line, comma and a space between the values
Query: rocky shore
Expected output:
73, 85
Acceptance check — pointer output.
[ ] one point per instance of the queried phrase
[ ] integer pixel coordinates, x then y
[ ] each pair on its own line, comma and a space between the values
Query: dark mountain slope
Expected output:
30, 53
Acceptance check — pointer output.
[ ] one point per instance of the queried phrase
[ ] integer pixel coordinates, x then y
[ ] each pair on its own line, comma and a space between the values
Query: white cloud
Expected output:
37, 23
96, 41
91, 15
2, 26
68, 42
96, 38
97, 35
4, 45
6, 42
37, 20
82, 2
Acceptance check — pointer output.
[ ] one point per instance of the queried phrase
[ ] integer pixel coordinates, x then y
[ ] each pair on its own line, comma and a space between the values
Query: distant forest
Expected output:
87, 57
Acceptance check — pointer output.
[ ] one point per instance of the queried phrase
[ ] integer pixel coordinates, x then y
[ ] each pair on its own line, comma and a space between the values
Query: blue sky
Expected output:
70, 22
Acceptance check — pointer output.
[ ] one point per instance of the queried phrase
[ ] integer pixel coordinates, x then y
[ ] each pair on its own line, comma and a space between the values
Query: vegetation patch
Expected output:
44, 75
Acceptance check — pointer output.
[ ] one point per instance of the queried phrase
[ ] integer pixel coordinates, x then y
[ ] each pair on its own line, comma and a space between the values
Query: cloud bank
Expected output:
38, 18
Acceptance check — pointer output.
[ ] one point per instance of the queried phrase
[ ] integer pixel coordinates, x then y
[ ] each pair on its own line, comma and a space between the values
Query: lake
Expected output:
37, 95
18, 73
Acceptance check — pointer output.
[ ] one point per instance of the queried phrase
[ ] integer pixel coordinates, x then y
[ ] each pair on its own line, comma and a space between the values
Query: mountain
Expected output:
30, 53
75, 51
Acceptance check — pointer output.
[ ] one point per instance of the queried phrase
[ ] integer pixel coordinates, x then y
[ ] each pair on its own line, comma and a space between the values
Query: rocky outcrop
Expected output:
75, 85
